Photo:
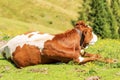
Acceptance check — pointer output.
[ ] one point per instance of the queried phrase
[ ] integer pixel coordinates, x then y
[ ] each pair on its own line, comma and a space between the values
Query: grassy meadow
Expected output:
52, 16
107, 48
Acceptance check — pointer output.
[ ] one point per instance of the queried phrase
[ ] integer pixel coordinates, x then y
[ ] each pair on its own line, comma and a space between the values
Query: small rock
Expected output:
7, 68
93, 78
118, 74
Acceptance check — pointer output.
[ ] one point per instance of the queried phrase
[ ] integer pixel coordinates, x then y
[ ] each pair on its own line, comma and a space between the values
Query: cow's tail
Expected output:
5, 52
3, 44
2, 49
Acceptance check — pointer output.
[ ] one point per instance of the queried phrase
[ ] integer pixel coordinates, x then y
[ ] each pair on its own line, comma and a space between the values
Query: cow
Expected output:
42, 48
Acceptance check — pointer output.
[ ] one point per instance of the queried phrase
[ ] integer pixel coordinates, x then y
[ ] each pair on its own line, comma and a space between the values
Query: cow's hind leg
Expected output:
91, 55
26, 56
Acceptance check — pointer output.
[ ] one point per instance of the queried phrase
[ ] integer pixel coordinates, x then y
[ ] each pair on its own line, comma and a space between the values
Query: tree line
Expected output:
103, 16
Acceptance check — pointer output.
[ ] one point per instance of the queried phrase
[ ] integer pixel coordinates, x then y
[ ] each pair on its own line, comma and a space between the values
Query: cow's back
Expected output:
33, 38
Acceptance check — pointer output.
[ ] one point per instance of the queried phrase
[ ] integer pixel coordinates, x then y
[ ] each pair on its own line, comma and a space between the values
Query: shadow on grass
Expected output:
9, 61
2, 59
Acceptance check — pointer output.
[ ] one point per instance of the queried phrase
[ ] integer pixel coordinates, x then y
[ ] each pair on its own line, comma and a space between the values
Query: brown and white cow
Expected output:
36, 48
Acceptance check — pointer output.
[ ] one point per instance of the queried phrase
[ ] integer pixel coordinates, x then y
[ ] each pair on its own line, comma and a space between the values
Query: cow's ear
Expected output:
85, 32
80, 23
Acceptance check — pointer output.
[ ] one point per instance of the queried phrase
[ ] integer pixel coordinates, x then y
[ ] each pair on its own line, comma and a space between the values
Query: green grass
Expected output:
107, 48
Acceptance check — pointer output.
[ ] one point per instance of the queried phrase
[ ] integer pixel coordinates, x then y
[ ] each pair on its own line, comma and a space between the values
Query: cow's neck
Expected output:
79, 32
81, 36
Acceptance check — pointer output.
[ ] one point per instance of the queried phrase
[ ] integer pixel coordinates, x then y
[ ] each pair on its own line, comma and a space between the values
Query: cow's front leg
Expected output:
85, 54
98, 58
82, 60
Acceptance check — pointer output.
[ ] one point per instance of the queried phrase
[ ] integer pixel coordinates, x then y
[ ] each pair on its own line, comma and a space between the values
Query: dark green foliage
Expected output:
6, 37
50, 22
115, 18
103, 16
115, 6
104, 21
115, 65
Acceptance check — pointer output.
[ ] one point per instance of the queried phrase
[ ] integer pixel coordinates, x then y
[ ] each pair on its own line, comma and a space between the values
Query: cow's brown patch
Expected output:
27, 55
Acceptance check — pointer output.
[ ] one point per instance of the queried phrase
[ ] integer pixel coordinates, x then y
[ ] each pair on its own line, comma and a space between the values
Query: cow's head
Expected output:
86, 33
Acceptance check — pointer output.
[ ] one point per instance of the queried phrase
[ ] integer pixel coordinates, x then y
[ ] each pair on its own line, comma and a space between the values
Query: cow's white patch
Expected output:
94, 39
81, 59
36, 39
82, 50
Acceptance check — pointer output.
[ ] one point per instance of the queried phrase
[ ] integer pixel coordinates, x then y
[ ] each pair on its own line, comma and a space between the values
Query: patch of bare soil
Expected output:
39, 70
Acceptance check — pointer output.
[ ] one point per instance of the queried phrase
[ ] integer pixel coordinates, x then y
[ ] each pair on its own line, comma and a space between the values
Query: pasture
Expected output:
52, 16
108, 48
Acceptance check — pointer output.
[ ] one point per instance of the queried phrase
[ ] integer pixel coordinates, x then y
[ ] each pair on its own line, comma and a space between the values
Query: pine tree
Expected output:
100, 20
119, 18
116, 19
103, 16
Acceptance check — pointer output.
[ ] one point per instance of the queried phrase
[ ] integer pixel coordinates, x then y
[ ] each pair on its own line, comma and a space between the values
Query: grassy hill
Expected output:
53, 16
13, 27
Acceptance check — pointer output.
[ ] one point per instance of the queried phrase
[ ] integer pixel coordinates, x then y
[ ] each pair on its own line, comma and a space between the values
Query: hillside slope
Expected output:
13, 27
53, 14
